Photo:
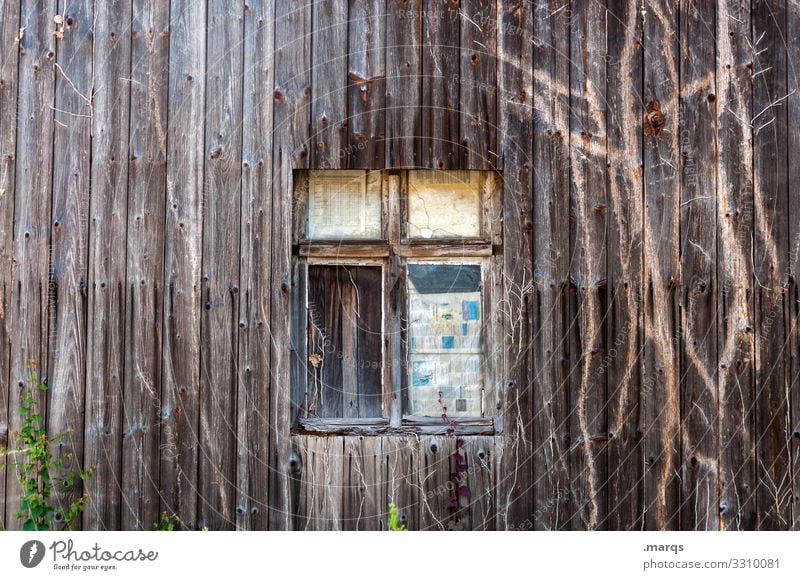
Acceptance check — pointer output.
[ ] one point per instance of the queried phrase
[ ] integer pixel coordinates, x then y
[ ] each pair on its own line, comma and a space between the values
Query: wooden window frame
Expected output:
393, 253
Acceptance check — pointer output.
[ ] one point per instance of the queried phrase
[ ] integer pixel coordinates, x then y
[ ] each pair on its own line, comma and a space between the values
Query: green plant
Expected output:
394, 519
40, 474
167, 523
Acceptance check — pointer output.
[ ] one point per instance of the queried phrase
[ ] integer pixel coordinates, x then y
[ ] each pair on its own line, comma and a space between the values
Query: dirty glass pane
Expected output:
445, 346
342, 206
444, 204
344, 341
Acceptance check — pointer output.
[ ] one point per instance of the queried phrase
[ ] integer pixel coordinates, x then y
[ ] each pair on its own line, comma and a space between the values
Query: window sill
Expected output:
411, 425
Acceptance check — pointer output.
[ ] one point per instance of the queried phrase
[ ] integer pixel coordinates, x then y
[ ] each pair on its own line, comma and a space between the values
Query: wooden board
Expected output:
735, 268
106, 318
698, 324
144, 285
183, 244
71, 221
403, 82
220, 266
623, 362
252, 472
588, 269
9, 59
660, 384
770, 266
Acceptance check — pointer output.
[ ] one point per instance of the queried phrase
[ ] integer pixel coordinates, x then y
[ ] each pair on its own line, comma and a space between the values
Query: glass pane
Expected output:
445, 346
444, 204
341, 205
344, 341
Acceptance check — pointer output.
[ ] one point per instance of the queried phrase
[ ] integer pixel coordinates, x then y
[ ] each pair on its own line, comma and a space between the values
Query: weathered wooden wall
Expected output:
651, 241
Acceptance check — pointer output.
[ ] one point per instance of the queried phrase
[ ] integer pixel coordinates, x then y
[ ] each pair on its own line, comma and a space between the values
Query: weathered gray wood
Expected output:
515, 85
366, 89
402, 465
183, 237
440, 85
33, 172
478, 82
660, 394
147, 181
588, 268
735, 268
770, 266
291, 110
220, 266
480, 477
9, 59
252, 477
322, 483
623, 361
403, 81
73, 112
550, 162
105, 350
433, 479
362, 479
699, 393
793, 168
329, 124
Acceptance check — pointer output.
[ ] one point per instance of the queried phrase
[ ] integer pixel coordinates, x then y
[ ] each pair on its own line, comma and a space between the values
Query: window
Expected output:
395, 278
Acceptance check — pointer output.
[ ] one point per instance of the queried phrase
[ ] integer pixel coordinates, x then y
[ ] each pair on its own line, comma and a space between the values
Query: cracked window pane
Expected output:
444, 204
445, 344
342, 206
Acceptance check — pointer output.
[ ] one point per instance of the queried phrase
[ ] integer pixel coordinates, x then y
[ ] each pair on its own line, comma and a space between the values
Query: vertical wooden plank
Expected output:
256, 244
770, 266
403, 83
515, 84
402, 463
366, 88
440, 84
433, 477
9, 59
699, 402
660, 391
147, 165
362, 481
329, 124
550, 161
34, 163
588, 269
70, 222
220, 281
478, 82
623, 361
479, 452
793, 124
105, 350
735, 341
183, 235
290, 151
321, 483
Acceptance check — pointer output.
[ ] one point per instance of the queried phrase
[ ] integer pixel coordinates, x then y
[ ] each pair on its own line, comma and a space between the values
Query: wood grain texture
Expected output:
440, 84
660, 390
252, 473
551, 255
106, 318
770, 266
515, 84
623, 362
698, 325
403, 83
588, 269
735, 268
144, 280
71, 224
9, 60
183, 245
366, 88
291, 116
